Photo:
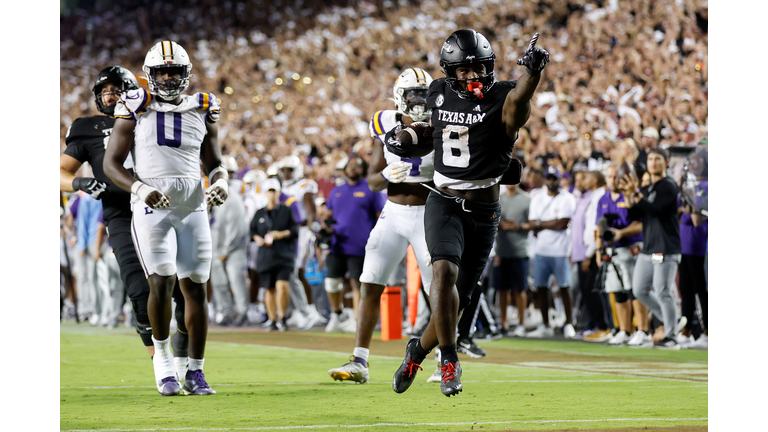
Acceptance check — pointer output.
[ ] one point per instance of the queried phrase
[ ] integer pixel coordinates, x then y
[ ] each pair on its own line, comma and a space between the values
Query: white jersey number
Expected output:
456, 146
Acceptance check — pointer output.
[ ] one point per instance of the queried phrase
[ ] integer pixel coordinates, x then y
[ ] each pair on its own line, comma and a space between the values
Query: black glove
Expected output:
535, 58
393, 144
91, 186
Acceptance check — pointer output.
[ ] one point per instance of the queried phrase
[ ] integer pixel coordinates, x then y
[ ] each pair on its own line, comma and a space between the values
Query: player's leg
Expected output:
132, 275
194, 264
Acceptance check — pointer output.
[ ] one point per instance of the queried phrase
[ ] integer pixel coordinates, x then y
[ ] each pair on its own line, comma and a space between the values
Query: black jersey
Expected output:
471, 141
87, 140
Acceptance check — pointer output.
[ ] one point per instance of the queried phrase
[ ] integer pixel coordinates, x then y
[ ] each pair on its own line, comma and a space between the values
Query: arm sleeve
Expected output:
75, 147
209, 104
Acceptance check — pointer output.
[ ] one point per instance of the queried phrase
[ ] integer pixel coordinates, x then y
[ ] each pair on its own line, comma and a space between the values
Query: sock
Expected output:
361, 355
162, 361
338, 312
195, 364
180, 363
161, 345
448, 354
559, 305
180, 344
418, 354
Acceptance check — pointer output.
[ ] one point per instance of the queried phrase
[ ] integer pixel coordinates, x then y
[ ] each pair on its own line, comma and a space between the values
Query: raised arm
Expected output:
517, 106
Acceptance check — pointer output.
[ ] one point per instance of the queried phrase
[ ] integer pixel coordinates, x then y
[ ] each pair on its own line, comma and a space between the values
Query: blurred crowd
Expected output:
304, 78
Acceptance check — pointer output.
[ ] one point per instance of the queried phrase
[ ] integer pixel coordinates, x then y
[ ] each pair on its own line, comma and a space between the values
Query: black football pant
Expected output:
692, 284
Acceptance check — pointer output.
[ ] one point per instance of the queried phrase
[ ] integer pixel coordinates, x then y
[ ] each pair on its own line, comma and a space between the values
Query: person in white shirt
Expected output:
168, 134
549, 216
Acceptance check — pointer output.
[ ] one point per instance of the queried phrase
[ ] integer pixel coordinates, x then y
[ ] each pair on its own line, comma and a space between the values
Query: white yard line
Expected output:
339, 426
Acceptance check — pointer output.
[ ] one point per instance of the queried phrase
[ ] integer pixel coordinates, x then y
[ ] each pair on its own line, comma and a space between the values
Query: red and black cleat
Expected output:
451, 382
406, 373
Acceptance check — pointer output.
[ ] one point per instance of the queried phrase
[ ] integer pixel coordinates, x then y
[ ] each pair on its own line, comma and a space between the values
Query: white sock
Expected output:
361, 352
195, 364
162, 361
181, 366
161, 345
559, 304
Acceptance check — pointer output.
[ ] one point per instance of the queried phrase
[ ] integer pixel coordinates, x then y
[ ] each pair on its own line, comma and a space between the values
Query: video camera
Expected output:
605, 223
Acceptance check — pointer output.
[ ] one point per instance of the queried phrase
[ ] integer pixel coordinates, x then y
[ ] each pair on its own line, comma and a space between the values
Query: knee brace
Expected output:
141, 318
334, 285
621, 296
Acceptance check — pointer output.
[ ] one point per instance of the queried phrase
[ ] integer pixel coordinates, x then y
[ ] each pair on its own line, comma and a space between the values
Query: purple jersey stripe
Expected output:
143, 104
200, 100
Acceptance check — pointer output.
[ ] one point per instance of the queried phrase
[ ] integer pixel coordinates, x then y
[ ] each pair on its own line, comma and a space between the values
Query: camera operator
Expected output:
620, 240
656, 267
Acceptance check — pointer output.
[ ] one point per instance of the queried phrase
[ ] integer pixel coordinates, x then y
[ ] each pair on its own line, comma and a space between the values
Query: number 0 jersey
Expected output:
167, 137
472, 148
421, 169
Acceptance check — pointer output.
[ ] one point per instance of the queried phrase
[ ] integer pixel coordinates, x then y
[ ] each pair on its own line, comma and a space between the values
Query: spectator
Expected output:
623, 249
355, 210
108, 274
275, 230
549, 216
229, 233
90, 292
512, 255
654, 277
595, 183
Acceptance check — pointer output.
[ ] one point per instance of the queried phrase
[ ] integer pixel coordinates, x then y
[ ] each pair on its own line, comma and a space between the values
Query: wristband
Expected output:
135, 187
225, 174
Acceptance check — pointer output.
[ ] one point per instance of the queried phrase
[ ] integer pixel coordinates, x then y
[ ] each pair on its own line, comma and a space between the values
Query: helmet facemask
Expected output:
170, 88
413, 103
487, 80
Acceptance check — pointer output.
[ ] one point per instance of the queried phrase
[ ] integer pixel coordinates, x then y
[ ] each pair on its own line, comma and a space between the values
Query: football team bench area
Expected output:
279, 381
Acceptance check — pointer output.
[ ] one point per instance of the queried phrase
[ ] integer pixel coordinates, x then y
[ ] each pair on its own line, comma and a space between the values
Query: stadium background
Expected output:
112, 41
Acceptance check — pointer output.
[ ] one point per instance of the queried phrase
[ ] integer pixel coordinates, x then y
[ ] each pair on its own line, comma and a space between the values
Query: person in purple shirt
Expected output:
623, 250
693, 241
355, 209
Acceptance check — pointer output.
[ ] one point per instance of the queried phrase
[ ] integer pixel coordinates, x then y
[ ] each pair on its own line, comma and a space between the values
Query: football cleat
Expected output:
451, 382
352, 371
194, 384
169, 386
406, 373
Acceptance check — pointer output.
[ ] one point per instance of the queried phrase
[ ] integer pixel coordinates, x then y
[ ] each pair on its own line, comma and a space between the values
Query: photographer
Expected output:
656, 267
275, 229
620, 241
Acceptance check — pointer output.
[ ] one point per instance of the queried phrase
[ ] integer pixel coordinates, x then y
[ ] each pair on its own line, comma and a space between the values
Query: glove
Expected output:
535, 58
91, 186
394, 145
395, 172
144, 191
217, 192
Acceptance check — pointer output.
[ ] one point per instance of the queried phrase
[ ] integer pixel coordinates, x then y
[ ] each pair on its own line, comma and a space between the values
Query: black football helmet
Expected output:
464, 47
120, 77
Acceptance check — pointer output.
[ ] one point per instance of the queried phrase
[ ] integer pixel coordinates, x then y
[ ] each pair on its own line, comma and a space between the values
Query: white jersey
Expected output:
421, 169
167, 137
298, 190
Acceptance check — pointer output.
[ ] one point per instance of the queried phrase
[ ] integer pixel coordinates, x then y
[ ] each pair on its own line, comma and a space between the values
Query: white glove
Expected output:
395, 172
143, 190
214, 192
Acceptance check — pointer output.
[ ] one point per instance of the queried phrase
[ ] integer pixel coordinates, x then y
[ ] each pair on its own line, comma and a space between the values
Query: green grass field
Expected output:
268, 381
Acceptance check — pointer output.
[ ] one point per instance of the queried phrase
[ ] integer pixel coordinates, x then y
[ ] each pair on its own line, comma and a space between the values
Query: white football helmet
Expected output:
273, 169
293, 162
410, 93
167, 54
229, 163
255, 176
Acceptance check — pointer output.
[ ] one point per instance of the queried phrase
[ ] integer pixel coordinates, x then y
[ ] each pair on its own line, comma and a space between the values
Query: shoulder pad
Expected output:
207, 102
132, 102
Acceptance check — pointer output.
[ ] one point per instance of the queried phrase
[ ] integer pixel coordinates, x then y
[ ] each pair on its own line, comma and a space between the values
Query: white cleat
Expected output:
541, 331
619, 338
569, 332
334, 324
351, 371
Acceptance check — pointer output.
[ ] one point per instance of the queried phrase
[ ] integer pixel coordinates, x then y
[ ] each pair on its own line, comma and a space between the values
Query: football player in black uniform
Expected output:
476, 120
87, 140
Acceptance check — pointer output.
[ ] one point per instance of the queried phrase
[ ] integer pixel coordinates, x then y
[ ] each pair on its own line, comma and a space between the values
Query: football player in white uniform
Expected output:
401, 221
304, 191
168, 133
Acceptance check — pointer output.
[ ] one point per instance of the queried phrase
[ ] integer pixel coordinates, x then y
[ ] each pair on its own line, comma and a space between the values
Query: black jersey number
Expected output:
456, 146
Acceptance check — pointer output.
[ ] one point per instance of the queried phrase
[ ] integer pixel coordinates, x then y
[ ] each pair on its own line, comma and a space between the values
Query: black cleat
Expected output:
406, 373
451, 383
470, 348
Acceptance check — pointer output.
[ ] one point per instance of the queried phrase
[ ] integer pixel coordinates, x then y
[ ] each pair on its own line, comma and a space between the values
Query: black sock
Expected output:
338, 312
180, 344
418, 353
448, 354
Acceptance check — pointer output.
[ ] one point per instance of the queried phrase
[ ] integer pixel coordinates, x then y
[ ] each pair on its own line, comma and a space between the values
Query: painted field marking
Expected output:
336, 426
691, 372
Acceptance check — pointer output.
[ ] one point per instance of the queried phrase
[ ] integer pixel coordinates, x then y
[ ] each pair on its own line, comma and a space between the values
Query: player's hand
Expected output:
535, 58
217, 193
91, 186
395, 172
150, 196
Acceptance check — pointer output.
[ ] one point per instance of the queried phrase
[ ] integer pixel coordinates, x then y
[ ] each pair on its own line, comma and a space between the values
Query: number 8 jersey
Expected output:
472, 148
167, 137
